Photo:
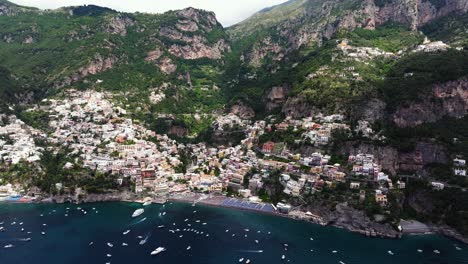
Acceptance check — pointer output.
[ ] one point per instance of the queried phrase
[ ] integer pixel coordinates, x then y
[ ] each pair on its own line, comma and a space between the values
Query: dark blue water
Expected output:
67, 238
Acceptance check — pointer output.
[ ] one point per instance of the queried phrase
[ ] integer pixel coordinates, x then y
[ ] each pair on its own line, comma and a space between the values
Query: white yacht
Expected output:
157, 251
241, 259
110, 245
138, 212
8, 246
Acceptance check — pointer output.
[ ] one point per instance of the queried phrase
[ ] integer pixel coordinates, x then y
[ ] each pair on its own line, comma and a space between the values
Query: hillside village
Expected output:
102, 138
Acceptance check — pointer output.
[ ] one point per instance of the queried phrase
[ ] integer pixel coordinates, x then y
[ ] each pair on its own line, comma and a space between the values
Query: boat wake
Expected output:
142, 242
139, 221
252, 251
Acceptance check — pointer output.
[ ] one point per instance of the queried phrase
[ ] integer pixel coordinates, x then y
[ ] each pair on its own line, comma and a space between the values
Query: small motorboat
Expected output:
138, 212
189, 247
390, 252
110, 245
126, 232
8, 246
241, 259
436, 251
157, 251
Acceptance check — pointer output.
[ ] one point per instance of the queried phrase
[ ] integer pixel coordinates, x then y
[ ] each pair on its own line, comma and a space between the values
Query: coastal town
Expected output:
102, 138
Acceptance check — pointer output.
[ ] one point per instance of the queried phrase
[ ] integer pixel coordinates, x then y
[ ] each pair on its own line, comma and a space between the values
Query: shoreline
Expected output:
216, 202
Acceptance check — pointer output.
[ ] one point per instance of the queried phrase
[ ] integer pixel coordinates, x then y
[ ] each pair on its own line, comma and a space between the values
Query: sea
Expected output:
107, 233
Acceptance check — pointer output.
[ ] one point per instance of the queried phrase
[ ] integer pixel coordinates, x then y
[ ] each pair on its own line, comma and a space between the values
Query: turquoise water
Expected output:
67, 239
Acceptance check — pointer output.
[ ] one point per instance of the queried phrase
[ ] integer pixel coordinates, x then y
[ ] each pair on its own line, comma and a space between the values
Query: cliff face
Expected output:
447, 99
393, 160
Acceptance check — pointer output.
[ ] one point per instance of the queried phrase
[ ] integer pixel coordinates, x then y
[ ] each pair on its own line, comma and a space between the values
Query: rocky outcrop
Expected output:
242, 110
393, 160
118, 25
371, 111
264, 48
187, 25
207, 19
154, 55
198, 48
178, 131
448, 99
357, 221
190, 36
167, 66
97, 65
277, 96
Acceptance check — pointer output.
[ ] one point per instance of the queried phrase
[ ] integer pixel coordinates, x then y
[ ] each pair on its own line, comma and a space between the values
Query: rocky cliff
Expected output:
447, 99
393, 160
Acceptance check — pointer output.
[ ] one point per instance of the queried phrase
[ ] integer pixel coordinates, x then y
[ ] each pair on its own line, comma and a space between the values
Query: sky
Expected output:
228, 12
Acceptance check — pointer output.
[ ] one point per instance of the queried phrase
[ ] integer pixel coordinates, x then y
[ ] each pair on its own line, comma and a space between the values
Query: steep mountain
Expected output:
91, 46
297, 55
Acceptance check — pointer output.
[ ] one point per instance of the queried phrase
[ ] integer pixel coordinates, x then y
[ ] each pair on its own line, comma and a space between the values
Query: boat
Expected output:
8, 246
241, 259
42, 233
146, 203
126, 232
283, 257
420, 250
91, 243
27, 239
189, 247
110, 245
161, 226
256, 241
124, 244
436, 251
457, 248
109, 255
341, 262
164, 213
390, 252
138, 212
157, 251
334, 251
247, 261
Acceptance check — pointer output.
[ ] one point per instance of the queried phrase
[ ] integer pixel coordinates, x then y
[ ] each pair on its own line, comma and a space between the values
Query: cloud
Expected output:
227, 12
